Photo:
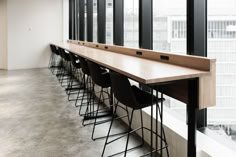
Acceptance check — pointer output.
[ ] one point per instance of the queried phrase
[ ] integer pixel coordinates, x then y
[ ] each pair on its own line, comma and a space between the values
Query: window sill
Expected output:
205, 143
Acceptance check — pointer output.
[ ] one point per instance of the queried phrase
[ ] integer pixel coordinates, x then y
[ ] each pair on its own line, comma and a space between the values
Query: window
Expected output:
169, 26
217, 29
178, 29
222, 29
95, 21
222, 46
169, 35
131, 23
109, 21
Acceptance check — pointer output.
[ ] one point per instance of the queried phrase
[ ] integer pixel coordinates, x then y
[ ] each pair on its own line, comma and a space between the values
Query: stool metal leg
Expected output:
157, 107
96, 114
151, 147
113, 117
141, 116
130, 129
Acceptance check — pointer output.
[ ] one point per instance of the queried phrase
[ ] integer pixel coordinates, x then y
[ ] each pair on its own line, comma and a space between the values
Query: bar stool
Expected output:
53, 62
86, 83
61, 65
135, 99
76, 76
66, 72
101, 78
89, 92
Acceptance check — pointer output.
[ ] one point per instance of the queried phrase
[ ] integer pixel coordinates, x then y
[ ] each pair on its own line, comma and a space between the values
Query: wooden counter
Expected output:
150, 67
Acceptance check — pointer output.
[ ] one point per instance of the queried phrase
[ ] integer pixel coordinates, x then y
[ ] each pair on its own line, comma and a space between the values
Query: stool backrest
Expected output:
122, 89
65, 55
56, 50
52, 48
84, 65
73, 59
60, 51
96, 73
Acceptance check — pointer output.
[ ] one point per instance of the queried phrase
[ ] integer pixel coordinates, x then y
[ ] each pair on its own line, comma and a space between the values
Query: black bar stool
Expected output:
86, 95
66, 72
53, 62
135, 99
76, 76
101, 78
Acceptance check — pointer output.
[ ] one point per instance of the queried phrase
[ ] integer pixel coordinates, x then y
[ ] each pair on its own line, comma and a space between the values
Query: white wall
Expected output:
3, 34
32, 25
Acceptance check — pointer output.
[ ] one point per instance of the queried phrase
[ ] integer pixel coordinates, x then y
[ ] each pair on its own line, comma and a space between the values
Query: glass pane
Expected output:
169, 35
109, 21
222, 46
95, 21
169, 26
131, 28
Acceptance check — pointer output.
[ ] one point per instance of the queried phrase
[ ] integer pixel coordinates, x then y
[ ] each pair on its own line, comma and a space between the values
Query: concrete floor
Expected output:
36, 120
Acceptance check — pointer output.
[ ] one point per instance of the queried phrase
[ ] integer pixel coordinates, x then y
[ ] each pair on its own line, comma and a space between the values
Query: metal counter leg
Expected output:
191, 116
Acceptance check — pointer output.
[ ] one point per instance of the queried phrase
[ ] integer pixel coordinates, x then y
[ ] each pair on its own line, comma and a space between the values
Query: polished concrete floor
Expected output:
36, 120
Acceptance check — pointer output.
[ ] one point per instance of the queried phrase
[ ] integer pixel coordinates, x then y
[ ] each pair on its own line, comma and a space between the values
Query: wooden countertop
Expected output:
139, 69
153, 68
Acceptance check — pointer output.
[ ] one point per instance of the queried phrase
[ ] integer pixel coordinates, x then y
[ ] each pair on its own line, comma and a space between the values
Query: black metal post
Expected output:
192, 108
145, 29
118, 22
101, 10
81, 20
90, 20
145, 24
197, 40
76, 19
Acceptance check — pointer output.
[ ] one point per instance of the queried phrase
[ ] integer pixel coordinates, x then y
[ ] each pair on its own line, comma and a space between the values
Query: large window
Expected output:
131, 23
95, 21
109, 21
222, 46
